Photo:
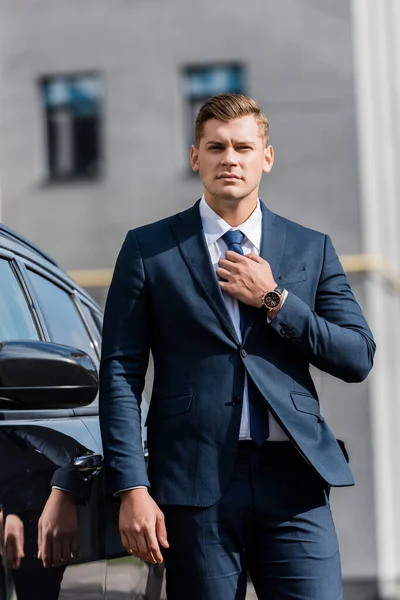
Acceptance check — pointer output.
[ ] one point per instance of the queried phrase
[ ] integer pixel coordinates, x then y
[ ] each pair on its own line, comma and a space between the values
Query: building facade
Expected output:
97, 101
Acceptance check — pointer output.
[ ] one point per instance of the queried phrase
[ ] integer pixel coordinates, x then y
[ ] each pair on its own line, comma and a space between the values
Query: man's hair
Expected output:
226, 107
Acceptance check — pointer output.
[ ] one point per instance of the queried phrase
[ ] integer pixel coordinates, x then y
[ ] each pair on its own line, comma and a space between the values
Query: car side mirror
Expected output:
43, 375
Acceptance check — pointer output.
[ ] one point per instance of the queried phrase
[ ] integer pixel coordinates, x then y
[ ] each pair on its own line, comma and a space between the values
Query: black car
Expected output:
50, 336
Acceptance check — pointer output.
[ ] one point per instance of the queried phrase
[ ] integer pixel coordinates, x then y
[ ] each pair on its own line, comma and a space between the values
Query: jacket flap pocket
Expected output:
168, 407
293, 277
307, 404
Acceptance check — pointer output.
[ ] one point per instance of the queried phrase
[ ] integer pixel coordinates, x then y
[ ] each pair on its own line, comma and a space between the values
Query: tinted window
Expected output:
203, 81
61, 316
73, 113
93, 325
16, 321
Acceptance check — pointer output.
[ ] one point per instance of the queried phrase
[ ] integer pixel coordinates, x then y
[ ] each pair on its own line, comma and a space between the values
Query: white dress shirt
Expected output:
214, 228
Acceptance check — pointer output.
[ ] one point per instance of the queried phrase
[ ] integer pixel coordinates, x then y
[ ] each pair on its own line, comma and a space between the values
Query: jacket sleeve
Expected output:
334, 336
125, 356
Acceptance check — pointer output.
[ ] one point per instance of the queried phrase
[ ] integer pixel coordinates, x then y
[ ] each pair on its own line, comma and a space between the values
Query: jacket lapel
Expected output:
273, 238
188, 231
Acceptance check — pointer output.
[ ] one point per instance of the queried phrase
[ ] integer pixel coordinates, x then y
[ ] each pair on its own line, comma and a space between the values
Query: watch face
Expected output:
272, 299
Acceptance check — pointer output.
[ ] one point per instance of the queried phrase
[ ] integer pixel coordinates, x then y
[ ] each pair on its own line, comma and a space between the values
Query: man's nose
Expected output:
229, 157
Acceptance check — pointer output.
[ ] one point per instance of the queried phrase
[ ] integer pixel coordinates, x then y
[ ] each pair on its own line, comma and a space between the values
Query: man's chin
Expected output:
229, 193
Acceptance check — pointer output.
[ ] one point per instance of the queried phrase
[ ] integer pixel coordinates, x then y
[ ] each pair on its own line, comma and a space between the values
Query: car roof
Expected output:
18, 244
20, 239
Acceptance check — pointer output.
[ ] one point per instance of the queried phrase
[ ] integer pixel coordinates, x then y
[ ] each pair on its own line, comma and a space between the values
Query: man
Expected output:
234, 303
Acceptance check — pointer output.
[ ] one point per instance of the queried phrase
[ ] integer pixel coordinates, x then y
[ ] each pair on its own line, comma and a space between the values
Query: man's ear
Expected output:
269, 156
194, 158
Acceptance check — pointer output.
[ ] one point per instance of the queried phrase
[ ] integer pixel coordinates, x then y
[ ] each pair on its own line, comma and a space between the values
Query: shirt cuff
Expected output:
136, 487
56, 487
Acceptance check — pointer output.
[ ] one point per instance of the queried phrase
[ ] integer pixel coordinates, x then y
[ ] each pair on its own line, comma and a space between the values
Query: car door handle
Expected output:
89, 464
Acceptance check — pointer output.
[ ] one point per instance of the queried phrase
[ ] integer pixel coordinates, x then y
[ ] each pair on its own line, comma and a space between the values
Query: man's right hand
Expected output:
142, 525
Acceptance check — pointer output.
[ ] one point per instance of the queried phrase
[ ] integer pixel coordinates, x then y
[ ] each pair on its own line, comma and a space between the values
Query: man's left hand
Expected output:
247, 278
58, 530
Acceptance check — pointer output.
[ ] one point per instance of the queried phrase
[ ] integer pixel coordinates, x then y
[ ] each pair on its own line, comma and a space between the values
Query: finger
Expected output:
16, 562
129, 543
75, 546
57, 552
125, 541
11, 553
65, 552
154, 548
40, 540
20, 551
226, 286
142, 546
234, 256
161, 531
255, 257
224, 274
47, 552
228, 265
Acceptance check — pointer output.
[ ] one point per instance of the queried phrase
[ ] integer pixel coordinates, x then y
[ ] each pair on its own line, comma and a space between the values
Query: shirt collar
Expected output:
214, 226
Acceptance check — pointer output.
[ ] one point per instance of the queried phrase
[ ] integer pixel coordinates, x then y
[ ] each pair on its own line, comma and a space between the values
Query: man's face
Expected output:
231, 158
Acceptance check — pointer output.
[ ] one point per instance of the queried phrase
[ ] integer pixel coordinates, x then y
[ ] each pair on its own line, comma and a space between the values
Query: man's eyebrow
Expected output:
246, 142
236, 143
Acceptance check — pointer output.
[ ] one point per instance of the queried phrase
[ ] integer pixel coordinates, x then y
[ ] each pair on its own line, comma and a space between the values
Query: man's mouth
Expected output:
229, 176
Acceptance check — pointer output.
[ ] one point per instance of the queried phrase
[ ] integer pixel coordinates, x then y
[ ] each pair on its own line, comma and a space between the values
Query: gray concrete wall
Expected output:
298, 60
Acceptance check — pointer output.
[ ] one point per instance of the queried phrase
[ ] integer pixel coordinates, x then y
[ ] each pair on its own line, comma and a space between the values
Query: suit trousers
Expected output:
273, 523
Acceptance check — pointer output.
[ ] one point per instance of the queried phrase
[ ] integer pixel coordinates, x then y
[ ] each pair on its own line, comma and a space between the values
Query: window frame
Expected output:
24, 265
69, 289
44, 79
18, 266
190, 99
31, 302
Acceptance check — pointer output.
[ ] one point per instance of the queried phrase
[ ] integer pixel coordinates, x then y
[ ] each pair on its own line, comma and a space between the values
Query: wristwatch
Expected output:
273, 299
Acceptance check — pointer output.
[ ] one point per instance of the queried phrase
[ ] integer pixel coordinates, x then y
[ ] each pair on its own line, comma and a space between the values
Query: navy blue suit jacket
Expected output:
165, 297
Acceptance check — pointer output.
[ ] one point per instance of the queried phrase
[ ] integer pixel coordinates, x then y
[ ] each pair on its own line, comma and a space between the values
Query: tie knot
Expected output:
234, 239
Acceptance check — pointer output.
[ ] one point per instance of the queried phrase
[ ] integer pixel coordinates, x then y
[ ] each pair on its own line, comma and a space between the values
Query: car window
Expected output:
61, 316
16, 320
144, 409
93, 325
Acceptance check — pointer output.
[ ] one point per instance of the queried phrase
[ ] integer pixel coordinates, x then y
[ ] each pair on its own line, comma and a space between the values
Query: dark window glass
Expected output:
16, 320
61, 316
93, 325
202, 82
73, 110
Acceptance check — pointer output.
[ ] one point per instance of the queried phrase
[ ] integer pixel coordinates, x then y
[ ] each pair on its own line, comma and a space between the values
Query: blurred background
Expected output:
97, 103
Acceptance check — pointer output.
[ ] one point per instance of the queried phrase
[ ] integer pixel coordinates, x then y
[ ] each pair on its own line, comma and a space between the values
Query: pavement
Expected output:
127, 579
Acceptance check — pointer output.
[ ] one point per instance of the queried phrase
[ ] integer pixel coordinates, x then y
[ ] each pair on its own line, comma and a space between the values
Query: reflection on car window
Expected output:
93, 325
16, 321
144, 409
62, 319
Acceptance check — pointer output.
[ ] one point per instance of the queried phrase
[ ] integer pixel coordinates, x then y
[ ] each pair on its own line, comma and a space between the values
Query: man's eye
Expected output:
244, 148
215, 147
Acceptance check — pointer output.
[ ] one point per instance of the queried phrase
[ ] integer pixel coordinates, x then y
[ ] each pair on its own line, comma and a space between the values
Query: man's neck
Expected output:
233, 212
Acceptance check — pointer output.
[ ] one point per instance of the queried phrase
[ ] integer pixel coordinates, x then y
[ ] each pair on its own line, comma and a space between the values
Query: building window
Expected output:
73, 117
202, 82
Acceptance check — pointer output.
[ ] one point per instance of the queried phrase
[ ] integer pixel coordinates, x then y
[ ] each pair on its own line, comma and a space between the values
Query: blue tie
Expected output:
234, 239
259, 429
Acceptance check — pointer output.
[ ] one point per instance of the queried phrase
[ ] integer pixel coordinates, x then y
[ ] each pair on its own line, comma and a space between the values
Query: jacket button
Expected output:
236, 401
243, 353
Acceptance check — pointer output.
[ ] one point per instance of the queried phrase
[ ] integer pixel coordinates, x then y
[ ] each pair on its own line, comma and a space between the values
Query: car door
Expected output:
69, 319
126, 576
38, 446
